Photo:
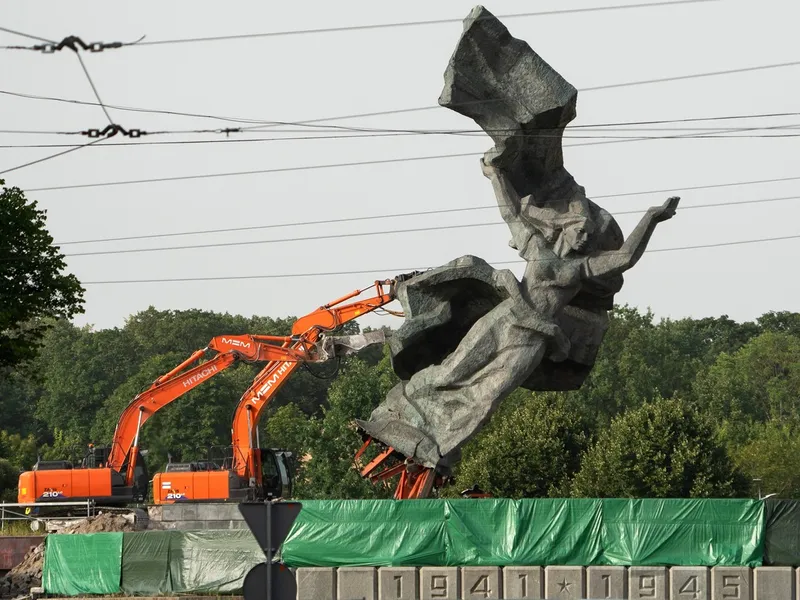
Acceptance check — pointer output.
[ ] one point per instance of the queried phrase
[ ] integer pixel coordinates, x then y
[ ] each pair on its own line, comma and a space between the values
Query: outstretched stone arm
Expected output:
615, 262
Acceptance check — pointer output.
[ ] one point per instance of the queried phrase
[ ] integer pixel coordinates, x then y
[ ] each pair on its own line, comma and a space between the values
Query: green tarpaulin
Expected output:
368, 532
171, 562
523, 532
683, 532
462, 532
782, 539
526, 532
82, 564
146, 562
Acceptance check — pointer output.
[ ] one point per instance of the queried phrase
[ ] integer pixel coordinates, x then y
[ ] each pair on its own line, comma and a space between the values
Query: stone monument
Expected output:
473, 334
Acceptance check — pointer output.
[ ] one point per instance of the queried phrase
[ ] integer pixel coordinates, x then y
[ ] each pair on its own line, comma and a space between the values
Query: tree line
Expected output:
672, 408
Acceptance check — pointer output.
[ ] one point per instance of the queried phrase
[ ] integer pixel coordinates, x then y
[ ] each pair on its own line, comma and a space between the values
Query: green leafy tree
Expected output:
772, 455
640, 358
288, 428
19, 393
780, 322
760, 382
663, 449
328, 471
9, 475
19, 451
80, 368
35, 290
532, 448
65, 446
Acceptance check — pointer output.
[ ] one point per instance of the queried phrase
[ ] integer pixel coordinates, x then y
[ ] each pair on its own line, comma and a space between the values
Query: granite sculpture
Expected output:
472, 333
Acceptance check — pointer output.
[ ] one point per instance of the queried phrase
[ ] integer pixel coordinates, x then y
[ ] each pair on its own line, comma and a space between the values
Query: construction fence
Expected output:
387, 533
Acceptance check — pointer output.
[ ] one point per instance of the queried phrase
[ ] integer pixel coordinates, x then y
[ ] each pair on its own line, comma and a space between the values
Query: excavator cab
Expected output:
276, 472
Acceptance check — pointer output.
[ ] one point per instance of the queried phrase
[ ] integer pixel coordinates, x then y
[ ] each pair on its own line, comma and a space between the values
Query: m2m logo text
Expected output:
199, 376
235, 343
271, 381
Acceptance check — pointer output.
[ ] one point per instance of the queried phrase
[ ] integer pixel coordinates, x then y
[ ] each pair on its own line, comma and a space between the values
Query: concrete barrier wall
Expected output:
554, 582
190, 516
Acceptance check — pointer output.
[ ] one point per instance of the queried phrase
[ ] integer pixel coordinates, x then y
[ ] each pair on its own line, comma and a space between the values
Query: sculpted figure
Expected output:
440, 408
473, 334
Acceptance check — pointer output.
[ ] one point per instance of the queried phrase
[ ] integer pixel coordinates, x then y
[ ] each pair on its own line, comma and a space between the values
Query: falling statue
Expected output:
473, 334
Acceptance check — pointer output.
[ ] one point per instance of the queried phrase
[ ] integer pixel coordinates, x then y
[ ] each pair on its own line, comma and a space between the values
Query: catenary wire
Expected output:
414, 23
272, 123
315, 167
410, 214
405, 270
49, 157
720, 134
26, 35
94, 88
312, 238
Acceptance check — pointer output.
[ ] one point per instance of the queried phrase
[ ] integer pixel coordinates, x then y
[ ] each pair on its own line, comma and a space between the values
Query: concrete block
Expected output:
606, 582
480, 582
688, 583
191, 512
398, 583
731, 583
356, 583
773, 583
439, 583
210, 512
647, 583
316, 583
523, 582
172, 512
564, 583
219, 511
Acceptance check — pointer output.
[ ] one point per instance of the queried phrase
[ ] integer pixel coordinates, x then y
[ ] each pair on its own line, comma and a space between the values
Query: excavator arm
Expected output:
173, 385
307, 332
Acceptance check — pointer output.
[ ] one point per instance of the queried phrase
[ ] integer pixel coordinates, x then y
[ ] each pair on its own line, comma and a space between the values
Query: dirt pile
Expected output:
106, 522
28, 573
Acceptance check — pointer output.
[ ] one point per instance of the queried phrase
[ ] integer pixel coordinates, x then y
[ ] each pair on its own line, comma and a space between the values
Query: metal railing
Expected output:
43, 511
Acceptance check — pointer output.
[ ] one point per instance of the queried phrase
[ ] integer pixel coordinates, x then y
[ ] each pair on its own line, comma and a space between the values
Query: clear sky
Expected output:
301, 77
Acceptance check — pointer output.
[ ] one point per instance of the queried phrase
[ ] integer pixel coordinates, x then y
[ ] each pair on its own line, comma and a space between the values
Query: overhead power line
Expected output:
618, 127
412, 23
75, 43
492, 206
406, 270
718, 136
714, 134
313, 167
50, 157
590, 89
335, 236
338, 165
94, 88
26, 35
273, 123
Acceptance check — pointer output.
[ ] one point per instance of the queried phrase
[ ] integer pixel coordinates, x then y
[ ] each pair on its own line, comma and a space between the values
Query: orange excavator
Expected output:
117, 474
252, 472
